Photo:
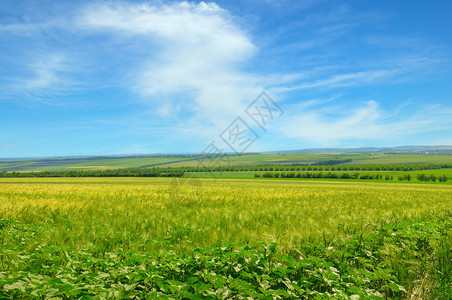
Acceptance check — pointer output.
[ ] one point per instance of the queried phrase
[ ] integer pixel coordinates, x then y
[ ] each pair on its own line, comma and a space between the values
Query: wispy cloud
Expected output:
46, 72
193, 67
43, 77
341, 80
195, 60
320, 127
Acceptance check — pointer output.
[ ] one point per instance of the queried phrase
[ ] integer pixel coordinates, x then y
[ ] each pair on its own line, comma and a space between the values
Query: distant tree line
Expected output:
405, 177
323, 175
276, 168
332, 162
423, 177
99, 173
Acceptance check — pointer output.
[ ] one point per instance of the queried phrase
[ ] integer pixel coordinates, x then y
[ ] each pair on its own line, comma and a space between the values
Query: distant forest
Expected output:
99, 173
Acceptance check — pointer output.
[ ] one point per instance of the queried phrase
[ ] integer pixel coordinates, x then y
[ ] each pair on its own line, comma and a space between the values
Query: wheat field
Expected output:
129, 238
147, 213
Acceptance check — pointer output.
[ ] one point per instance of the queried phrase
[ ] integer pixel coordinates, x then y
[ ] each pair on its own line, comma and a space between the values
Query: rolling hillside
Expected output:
368, 156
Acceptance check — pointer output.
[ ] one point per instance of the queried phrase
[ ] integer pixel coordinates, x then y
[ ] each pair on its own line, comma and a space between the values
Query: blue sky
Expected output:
123, 77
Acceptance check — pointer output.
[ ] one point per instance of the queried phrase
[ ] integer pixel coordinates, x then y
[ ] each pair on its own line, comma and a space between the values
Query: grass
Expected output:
125, 163
393, 159
394, 174
234, 160
250, 211
86, 163
273, 158
136, 237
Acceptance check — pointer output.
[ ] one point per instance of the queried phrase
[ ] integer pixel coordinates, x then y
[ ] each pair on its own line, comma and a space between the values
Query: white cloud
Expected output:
45, 72
190, 62
342, 80
365, 123
200, 52
194, 68
15, 28
42, 76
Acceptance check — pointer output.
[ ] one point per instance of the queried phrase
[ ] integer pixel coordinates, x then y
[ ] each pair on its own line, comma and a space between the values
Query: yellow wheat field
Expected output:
154, 213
